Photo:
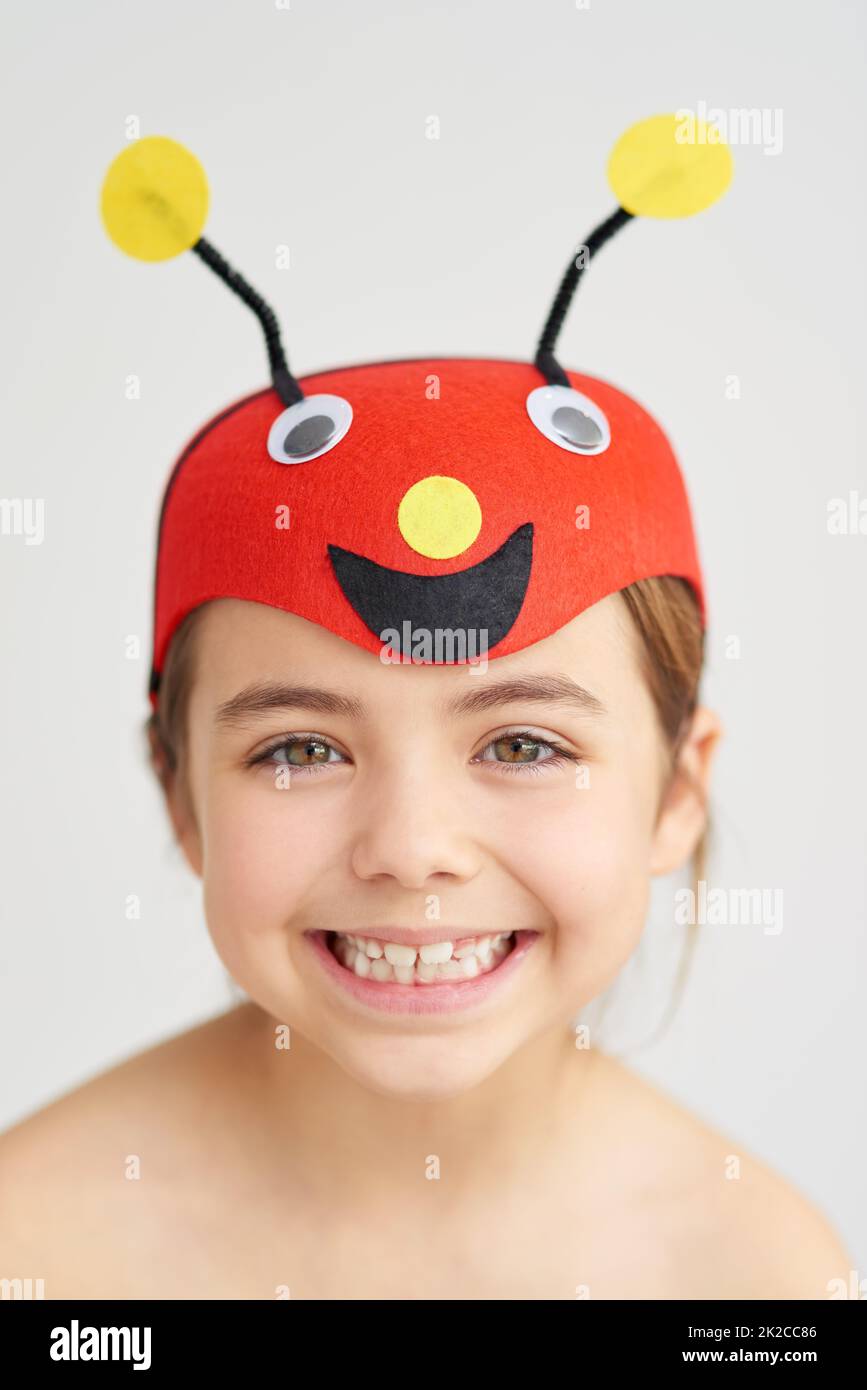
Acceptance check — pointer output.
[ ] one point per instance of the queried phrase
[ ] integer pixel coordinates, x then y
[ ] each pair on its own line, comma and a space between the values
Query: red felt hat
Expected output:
428, 509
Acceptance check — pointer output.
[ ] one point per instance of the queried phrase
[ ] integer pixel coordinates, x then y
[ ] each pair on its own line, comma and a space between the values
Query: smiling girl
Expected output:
420, 873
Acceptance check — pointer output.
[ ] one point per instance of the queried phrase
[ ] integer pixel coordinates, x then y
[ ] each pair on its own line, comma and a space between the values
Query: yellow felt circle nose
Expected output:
439, 517
669, 166
154, 199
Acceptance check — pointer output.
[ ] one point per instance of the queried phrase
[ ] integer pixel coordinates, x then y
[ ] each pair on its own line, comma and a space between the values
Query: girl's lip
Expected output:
393, 998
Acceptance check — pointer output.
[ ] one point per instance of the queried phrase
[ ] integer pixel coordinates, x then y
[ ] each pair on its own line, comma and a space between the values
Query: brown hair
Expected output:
666, 616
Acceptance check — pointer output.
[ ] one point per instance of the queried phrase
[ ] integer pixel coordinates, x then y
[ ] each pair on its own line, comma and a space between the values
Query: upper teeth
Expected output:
434, 954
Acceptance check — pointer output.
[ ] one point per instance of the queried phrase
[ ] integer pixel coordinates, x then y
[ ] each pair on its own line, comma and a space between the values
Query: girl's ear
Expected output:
682, 813
178, 804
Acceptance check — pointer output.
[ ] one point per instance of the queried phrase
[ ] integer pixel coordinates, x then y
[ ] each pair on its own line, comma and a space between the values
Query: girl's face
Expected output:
334, 793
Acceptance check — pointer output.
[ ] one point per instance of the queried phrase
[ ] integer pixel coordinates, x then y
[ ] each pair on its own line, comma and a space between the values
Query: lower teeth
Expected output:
421, 973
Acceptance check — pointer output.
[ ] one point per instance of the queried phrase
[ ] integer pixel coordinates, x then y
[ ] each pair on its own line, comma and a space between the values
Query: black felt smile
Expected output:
486, 597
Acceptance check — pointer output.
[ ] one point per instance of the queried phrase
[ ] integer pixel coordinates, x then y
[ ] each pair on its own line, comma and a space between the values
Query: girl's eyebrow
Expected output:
263, 696
544, 689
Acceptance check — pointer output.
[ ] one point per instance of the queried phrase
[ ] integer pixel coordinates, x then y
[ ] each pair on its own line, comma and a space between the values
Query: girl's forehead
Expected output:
248, 652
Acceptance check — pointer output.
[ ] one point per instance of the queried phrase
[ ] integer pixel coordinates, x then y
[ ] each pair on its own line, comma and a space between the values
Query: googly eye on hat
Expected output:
309, 428
435, 493
569, 419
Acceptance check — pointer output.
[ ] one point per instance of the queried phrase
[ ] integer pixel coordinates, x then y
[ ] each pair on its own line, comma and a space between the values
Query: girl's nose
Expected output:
439, 517
412, 833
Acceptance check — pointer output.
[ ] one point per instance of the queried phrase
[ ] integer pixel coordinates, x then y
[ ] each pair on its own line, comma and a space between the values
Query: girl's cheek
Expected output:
262, 854
589, 871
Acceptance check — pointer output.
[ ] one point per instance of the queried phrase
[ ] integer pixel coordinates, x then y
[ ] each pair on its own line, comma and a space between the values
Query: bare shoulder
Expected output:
734, 1227
94, 1175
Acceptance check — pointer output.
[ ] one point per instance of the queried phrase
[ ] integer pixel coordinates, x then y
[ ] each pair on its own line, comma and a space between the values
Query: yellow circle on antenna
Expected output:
439, 517
154, 199
670, 166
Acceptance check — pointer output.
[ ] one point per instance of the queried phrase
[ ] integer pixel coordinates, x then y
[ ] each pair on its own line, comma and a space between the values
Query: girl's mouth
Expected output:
390, 963
435, 978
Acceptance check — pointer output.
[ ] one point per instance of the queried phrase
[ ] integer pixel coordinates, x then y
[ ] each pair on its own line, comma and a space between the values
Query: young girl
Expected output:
420, 872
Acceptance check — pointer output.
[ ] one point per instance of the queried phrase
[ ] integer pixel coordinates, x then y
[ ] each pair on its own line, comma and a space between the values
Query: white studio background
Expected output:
312, 123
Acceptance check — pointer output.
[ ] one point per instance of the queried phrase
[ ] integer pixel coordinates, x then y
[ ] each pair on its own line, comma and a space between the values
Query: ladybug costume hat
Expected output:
477, 505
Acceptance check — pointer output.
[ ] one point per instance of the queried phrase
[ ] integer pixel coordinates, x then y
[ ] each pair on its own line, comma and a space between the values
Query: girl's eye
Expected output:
305, 753
520, 752
515, 752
